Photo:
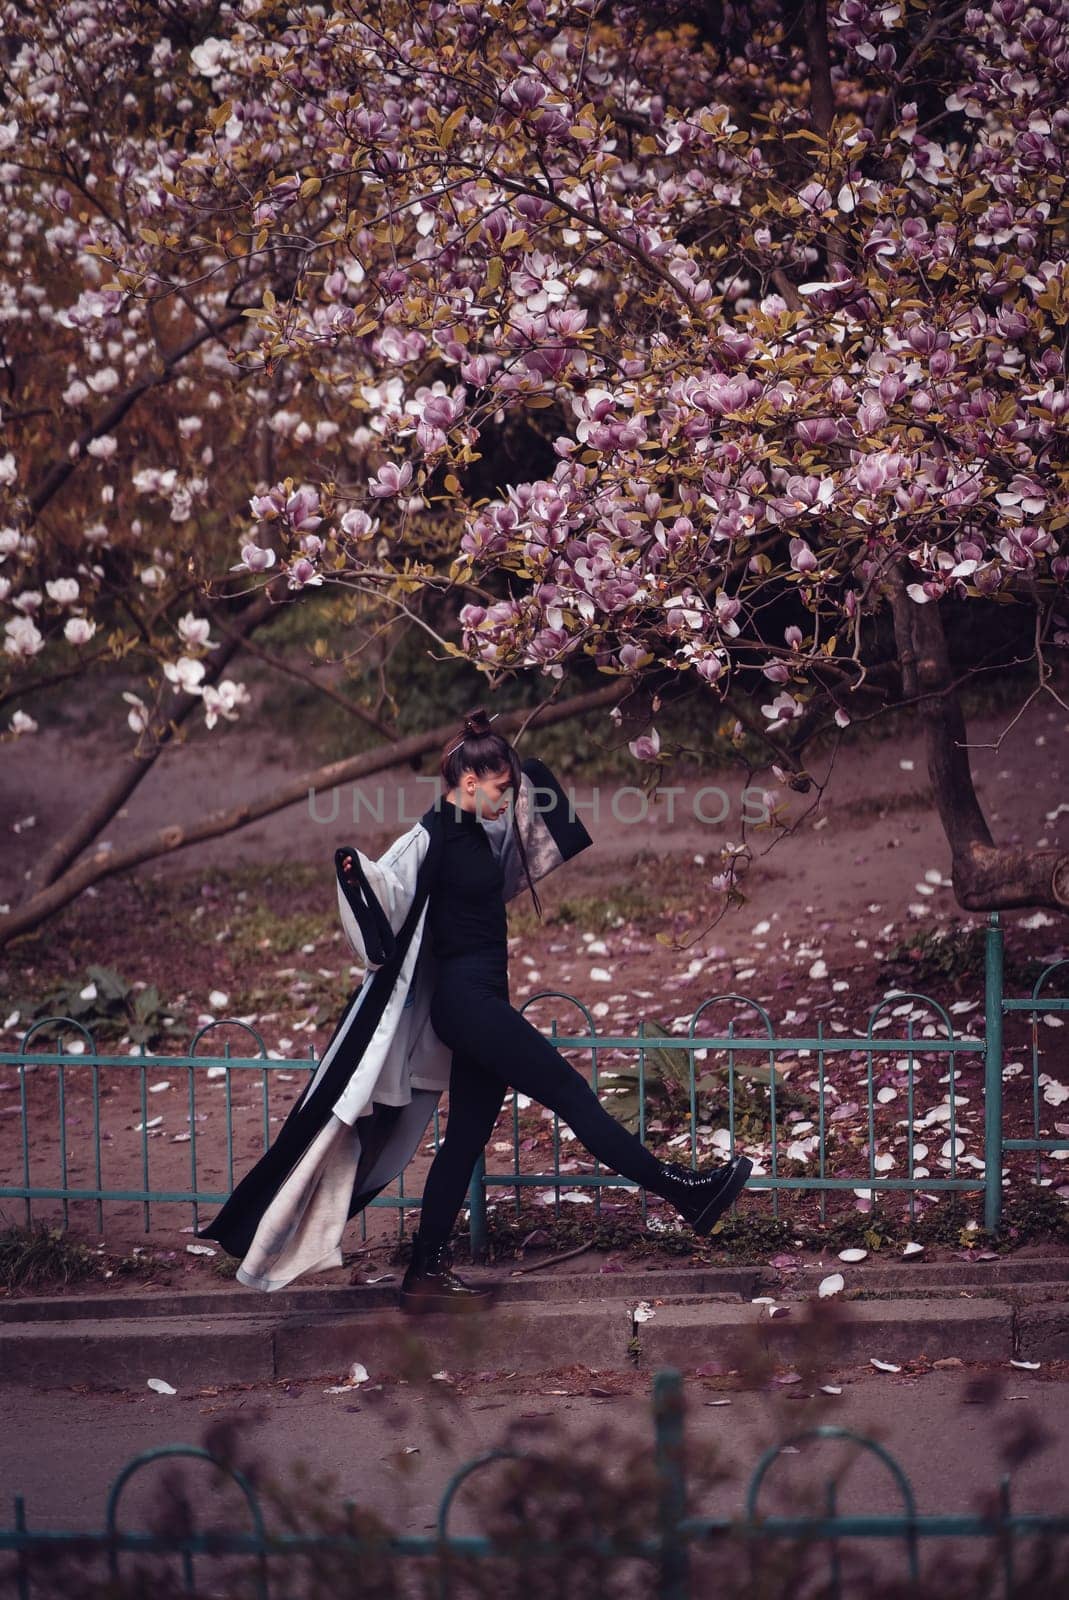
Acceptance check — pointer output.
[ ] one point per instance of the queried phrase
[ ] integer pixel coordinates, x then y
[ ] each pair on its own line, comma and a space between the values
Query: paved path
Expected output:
63, 1449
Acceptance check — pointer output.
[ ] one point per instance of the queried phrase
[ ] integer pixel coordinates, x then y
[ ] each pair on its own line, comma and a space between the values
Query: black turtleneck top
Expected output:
466, 909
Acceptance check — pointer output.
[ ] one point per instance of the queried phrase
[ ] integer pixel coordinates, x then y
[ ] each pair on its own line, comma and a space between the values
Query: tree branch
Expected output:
165, 841
821, 94
135, 767
278, 665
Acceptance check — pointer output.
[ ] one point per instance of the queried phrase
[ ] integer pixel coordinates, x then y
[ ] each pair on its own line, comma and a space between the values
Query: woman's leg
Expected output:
475, 1099
511, 1053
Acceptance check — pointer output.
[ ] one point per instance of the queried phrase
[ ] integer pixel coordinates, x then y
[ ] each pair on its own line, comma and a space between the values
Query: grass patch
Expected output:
1035, 1215
260, 928
883, 805
957, 955
650, 886
752, 1236
41, 1257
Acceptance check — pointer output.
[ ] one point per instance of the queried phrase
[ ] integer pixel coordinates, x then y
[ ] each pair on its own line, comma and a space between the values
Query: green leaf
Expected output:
147, 1002
109, 984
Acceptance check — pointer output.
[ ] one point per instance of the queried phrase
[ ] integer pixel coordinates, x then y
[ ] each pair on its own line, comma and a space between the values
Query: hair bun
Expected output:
477, 723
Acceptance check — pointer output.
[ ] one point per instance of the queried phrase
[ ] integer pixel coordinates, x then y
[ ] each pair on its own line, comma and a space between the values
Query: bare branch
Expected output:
165, 841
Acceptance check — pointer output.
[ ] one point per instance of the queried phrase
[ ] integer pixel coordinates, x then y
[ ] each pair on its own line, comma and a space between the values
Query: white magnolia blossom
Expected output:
210, 57
76, 393
194, 630
8, 470
137, 718
223, 700
152, 577
103, 448
79, 630
185, 674
104, 381
64, 591
22, 723
28, 601
9, 541
22, 637
154, 480
5, 588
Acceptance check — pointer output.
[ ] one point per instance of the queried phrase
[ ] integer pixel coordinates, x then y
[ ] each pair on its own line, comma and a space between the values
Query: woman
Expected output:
495, 1049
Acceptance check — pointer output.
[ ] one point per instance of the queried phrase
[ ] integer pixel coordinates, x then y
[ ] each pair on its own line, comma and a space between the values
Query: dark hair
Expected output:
474, 747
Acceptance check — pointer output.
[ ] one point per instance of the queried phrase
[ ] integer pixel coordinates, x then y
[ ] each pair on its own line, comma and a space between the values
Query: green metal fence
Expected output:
669, 1550
221, 1083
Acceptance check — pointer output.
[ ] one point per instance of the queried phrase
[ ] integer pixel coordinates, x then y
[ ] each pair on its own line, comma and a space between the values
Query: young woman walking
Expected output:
495, 1049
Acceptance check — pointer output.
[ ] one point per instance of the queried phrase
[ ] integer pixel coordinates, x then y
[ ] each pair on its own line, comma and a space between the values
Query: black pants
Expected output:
495, 1049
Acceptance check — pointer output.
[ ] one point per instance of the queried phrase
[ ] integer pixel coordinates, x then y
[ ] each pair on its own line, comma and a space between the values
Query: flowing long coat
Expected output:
362, 1116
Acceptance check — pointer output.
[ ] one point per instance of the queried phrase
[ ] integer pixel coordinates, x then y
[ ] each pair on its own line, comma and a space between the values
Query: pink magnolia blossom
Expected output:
646, 747
390, 480
254, 559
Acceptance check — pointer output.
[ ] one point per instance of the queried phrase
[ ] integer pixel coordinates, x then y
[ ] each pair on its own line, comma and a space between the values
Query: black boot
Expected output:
430, 1285
702, 1197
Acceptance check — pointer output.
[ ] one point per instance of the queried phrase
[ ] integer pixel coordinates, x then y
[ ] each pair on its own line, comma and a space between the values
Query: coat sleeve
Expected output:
374, 906
543, 817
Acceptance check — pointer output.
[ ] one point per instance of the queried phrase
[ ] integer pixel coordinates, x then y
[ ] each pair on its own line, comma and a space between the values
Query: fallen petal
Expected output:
852, 1255
883, 1366
835, 1284
160, 1386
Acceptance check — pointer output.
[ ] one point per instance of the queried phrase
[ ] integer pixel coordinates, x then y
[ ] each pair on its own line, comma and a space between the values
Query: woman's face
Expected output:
487, 796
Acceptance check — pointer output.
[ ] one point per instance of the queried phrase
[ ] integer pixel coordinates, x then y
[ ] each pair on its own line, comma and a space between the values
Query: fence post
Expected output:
993, 1074
673, 1582
477, 1210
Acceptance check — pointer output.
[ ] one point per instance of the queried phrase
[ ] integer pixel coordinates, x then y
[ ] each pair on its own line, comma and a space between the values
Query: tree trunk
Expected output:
986, 876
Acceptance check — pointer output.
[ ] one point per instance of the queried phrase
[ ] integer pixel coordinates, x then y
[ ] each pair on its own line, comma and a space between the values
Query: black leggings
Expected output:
496, 1049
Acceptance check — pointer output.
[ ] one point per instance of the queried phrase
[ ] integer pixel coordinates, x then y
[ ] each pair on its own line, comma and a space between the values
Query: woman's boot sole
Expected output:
416, 1304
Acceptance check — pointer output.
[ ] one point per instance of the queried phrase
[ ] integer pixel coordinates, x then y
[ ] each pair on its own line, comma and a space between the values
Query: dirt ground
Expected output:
245, 927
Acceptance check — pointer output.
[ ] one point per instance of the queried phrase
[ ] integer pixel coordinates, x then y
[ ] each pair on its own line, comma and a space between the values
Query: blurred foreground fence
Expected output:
55, 1151
358, 1550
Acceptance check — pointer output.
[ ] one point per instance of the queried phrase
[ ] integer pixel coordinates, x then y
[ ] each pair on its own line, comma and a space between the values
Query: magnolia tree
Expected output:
772, 297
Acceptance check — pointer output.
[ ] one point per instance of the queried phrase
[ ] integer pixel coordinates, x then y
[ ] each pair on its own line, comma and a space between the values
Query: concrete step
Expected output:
517, 1336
